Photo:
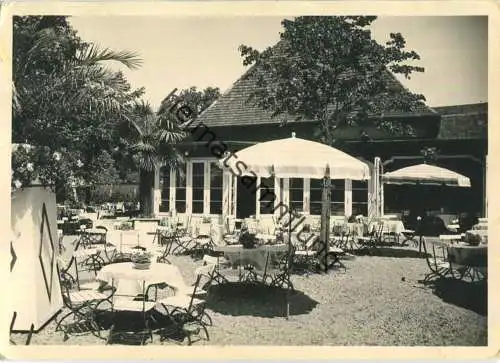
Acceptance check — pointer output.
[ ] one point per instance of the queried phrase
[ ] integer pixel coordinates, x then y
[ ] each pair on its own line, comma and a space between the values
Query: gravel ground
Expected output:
377, 301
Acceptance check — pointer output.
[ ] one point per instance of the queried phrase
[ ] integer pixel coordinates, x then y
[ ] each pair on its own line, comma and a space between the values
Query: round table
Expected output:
468, 255
129, 280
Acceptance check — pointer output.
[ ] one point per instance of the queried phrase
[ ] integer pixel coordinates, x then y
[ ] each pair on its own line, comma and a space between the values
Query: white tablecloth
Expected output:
129, 280
125, 240
256, 257
356, 229
396, 227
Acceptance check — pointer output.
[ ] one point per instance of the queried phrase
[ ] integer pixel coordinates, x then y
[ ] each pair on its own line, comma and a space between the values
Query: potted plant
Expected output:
141, 259
247, 239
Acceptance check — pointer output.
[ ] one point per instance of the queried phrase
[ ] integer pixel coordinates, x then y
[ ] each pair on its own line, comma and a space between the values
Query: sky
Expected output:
180, 52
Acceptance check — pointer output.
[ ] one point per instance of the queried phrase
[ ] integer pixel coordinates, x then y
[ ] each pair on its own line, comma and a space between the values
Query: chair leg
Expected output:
108, 340
58, 325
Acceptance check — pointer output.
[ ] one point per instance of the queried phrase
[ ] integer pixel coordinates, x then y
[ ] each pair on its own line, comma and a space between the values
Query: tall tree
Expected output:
150, 140
65, 100
330, 69
198, 100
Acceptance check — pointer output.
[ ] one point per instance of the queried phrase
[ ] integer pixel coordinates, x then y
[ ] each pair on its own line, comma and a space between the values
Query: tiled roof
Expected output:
463, 121
233, 107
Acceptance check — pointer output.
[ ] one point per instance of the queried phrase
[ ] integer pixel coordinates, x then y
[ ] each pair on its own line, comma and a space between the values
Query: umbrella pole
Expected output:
325, 220
288, 265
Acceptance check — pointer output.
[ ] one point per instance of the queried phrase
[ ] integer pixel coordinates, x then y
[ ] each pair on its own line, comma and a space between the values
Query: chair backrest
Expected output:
129, 239
379, 229
204, 229
67, 285
207, 271
316, 224
210, 260
238, 223
101, 227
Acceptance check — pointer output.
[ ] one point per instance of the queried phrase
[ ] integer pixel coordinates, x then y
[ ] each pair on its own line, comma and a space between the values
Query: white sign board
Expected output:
35, 290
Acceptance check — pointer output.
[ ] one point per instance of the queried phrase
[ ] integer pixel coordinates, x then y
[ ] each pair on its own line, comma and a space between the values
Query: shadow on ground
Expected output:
389, 252
468, 295
260, 300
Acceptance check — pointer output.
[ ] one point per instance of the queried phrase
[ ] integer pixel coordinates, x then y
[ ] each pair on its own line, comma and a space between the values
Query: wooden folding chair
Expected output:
83, 306
187, 311
132, 307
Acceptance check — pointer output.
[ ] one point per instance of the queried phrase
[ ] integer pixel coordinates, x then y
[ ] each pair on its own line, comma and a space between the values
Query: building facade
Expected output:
202, 188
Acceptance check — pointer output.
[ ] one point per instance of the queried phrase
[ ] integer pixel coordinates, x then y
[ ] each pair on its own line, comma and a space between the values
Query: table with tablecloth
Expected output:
129, 281
353, 229
92, 236
476, 235
389, 226
468, 255
258, 257
126, 240
447, 254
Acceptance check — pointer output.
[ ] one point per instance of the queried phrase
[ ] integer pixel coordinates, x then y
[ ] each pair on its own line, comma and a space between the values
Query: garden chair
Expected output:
215, 261
278, 266
439, 265
131, 317
307, 254
182, 225
334, 255
168, 240
60, 241
89, 259
375, 237
83, 306
187, 310
316, 225
203, 240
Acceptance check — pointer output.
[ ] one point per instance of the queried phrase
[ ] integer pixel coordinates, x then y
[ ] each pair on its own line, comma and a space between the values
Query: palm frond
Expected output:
92, 54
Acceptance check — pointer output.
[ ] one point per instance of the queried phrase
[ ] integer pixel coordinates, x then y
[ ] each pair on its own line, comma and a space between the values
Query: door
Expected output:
245, 200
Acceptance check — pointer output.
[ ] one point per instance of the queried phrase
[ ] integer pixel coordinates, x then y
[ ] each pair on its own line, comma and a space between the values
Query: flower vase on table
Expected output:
247, 239
142, 260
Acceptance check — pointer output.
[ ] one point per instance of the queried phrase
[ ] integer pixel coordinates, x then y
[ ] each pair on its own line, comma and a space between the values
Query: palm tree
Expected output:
151, 140
63, 95
52, 66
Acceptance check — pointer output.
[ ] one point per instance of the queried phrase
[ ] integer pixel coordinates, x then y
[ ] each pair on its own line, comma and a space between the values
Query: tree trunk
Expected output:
146, 180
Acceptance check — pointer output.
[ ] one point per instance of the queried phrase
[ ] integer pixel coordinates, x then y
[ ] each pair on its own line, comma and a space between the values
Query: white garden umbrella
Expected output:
426, 174
298, 158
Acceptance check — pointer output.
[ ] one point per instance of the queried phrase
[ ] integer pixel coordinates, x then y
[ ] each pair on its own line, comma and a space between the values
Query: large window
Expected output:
267, 195
296, 187
198, 187
215, 189
165, 189
359, 197
180, 190
337, 197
